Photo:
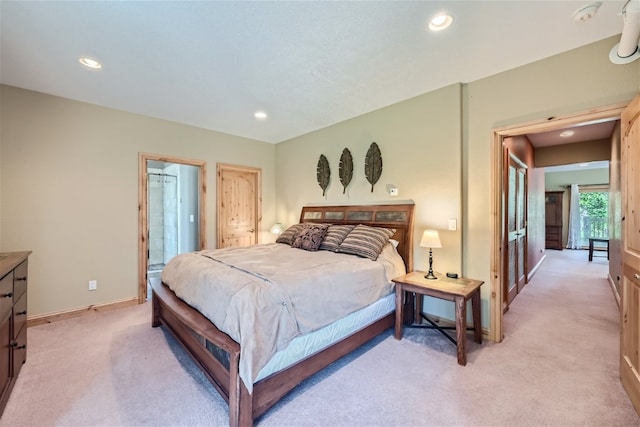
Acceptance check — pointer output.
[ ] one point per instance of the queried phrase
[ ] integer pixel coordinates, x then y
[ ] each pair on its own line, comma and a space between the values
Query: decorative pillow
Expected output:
290, 234
310, 237
335, 236
366, 241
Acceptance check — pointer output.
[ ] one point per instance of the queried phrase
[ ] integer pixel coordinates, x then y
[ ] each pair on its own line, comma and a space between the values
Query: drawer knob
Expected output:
7, 295
21, 279
21, 313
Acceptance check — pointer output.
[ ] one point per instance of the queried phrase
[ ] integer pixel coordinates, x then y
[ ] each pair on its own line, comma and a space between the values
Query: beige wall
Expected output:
67, 167
578, 152
422, 138
571, 82
70, 191
420, 141
615, 211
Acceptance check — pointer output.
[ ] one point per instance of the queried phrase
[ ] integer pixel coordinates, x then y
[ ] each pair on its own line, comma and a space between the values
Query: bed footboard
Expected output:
215, 353
218, 356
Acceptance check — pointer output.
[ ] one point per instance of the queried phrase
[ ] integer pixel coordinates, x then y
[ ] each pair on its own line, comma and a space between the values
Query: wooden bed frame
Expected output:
218, 355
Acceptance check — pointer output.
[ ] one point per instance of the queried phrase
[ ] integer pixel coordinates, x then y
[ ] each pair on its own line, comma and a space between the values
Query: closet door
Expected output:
239, 210
516, 228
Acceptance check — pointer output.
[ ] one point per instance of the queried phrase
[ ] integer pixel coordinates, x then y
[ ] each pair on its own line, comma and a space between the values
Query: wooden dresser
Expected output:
553, 219
13, 320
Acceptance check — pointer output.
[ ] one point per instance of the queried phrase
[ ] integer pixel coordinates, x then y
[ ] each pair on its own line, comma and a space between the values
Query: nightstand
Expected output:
458, 290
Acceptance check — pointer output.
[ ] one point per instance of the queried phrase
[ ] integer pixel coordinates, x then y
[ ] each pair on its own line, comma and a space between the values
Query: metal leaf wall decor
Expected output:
373, 164
323, 173
346, 169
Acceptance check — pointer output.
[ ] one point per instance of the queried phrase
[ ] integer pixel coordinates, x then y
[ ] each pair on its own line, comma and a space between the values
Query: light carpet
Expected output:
557, 366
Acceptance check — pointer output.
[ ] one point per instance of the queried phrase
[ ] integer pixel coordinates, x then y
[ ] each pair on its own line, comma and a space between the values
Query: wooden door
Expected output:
630, 300
515, 228
239, 211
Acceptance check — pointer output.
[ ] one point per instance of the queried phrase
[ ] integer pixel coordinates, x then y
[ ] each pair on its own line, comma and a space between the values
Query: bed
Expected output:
219, 356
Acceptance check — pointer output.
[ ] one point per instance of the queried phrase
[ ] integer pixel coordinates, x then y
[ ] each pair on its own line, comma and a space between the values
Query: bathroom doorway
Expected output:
171, 213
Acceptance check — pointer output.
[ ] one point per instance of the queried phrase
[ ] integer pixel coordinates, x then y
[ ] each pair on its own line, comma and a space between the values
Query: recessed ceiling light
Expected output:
260, 115
90, 63
566, 133
440, 22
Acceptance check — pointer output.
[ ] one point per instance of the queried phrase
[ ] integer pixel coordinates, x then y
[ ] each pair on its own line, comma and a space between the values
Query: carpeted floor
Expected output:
557, 366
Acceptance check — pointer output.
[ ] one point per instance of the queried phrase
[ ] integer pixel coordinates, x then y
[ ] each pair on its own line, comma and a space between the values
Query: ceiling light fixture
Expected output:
566, 133
583, 165
440, 22
90, 63
627, 50
260, 115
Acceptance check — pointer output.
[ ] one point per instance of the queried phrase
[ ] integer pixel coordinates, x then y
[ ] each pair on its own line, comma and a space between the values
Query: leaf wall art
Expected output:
323, 173
373, 164
346, 169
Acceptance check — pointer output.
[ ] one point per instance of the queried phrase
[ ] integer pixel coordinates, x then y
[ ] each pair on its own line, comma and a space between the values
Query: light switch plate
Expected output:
453, 224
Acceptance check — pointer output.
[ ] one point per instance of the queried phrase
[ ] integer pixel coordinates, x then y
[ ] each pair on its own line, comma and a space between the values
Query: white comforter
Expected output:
265, 295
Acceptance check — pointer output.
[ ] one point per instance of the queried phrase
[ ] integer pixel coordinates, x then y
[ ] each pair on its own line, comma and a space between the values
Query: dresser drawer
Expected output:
20, 280
19, 315
19, 351
6, 294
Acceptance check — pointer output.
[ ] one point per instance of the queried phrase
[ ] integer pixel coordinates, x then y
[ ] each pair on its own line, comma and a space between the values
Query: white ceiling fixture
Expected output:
566, 133
260, 115
627, 50
90, 63
440, 21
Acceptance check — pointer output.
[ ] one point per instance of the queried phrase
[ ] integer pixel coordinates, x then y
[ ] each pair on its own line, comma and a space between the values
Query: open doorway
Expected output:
171, 214
609, 113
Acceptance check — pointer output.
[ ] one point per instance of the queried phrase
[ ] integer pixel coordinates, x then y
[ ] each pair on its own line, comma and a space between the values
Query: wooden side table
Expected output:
457, 290
591, 241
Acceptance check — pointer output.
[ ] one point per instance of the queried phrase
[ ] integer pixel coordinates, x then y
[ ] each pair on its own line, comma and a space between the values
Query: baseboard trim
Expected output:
614, 290
67, 314
535, 268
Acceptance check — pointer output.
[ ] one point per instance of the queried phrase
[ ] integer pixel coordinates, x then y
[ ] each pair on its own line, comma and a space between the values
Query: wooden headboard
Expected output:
399, 217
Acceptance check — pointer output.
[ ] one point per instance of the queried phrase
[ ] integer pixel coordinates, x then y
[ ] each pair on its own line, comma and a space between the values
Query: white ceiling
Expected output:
307, 64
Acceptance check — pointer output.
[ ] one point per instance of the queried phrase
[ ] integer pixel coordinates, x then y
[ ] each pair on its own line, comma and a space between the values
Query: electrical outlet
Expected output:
93, 285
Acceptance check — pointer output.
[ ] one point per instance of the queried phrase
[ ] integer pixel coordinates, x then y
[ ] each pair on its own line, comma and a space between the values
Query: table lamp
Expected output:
277, 228
430, 239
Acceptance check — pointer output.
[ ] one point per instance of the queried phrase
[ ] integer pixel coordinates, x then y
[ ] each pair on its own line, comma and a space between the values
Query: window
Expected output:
594, 213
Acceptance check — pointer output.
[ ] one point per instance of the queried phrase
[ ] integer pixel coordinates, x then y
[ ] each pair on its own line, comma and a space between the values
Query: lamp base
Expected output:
430, 275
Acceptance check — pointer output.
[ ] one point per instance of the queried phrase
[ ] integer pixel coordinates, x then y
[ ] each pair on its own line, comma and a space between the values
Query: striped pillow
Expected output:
335, 236
290, 234
365, 241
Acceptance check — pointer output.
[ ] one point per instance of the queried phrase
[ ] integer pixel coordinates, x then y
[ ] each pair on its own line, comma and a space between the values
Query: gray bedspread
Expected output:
265, 295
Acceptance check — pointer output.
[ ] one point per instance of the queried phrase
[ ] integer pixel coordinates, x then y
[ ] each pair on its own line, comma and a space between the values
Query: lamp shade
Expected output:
277, 228
430, 239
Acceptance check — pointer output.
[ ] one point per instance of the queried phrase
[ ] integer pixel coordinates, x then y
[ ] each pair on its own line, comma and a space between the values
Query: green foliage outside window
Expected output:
594, 204
594, 221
